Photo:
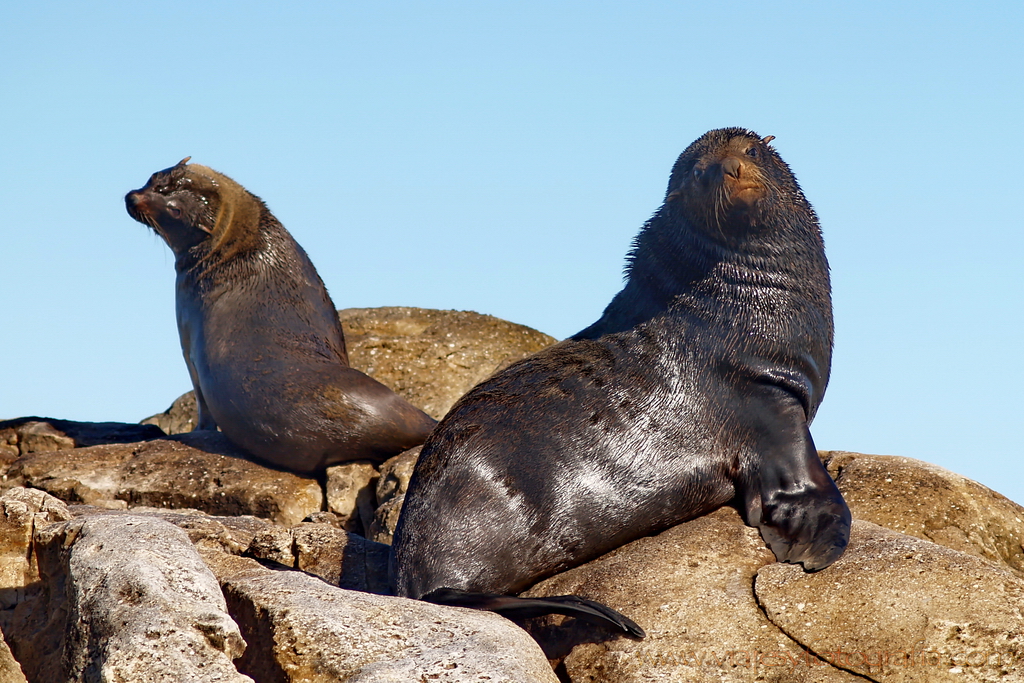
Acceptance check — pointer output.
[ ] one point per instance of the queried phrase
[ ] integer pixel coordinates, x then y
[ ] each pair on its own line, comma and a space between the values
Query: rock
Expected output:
181, 417
391, 487
21, 512
351, 494
923, 500
691, 589
10, 670
141, 596
91, 590
300, 629
429, 357
46, 434
326, 517
226, 534
897, 608
339, 557
168, 473
385, 519
124, 598
275, 544
24, 618
29, 435
9, 450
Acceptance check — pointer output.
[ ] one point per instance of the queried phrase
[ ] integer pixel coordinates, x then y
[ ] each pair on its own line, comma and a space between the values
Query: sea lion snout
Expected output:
137, 204
732, 166
716, 171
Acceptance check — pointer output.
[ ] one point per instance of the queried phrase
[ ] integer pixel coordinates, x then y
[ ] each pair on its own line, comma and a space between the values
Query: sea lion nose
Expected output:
731, 166
136, 202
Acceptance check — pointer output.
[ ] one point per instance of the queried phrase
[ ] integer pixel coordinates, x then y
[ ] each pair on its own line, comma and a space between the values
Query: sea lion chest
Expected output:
257, 325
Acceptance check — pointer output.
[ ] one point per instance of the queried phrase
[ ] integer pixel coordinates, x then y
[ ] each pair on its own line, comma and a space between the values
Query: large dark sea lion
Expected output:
694, 389
260, 334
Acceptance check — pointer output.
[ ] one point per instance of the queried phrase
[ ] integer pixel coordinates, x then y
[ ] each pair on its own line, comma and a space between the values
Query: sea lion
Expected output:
260, 334
695, 388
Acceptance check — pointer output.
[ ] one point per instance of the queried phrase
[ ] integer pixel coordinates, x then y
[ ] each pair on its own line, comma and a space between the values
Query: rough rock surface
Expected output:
122, 598
232, 534
391, 487
42, 434
691, 588
351, 494
24, 596
168, 473
22, 511
339, 557
301, 629
432, 358
182, 416
10, 670
897, 608
143, 606
717, 607
924, 500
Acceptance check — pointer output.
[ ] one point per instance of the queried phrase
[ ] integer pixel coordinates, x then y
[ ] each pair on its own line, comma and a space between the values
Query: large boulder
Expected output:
897, 608
431, 357
924, 500
142, 605
717, 607
691, 589
302, 629
121, 597
87, 576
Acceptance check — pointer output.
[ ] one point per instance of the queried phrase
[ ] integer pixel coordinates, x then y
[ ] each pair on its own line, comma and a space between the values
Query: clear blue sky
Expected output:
499, 157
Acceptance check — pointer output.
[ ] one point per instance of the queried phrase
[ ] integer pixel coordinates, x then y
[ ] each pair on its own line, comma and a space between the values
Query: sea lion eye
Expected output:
752, 152
173, 210
697, 173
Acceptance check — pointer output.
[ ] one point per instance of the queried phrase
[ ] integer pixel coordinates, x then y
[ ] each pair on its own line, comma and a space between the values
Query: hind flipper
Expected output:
515, 608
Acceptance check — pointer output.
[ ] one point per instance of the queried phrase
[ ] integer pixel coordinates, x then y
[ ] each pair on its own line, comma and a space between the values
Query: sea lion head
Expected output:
190, 205
730, 180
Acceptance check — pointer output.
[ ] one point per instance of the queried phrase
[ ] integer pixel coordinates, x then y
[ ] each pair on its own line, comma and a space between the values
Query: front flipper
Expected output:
788, 493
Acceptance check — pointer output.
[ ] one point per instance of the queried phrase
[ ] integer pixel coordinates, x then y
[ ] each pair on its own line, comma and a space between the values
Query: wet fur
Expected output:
260, 334
694, 389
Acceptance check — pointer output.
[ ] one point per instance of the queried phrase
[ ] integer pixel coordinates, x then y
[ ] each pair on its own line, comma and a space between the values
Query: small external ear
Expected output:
673, 196
183, 161
768, 138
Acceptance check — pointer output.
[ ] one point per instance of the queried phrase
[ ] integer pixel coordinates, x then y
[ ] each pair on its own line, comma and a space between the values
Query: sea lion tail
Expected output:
523, 608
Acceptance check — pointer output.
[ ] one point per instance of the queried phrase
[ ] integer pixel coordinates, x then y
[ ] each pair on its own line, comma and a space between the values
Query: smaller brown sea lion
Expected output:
260, 334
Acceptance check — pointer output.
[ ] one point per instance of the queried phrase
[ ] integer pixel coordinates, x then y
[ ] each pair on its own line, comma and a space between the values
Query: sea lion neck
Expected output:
234, 216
